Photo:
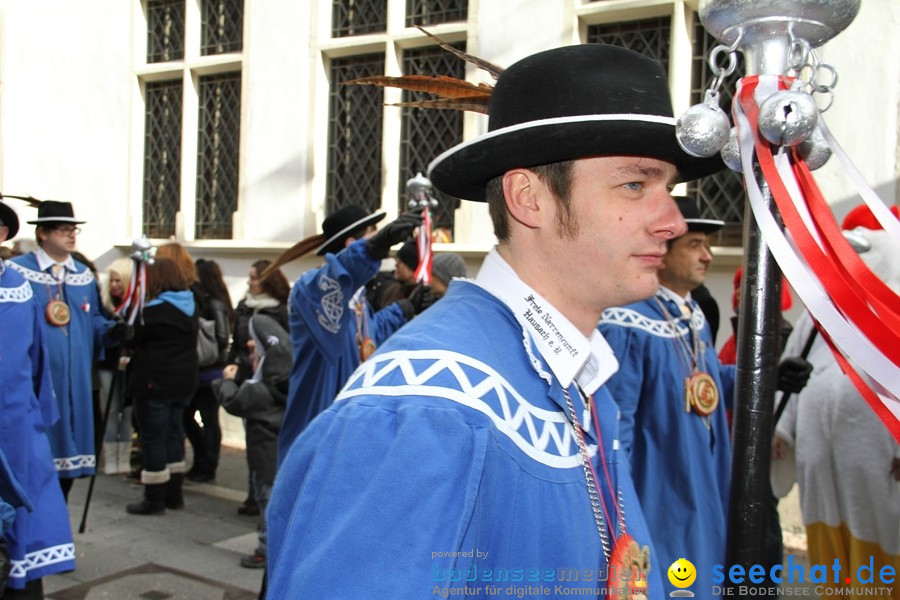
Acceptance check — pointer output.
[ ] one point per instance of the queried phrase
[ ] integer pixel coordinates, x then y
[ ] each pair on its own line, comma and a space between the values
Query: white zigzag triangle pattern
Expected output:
70, 463
626, 317
19, 294
83, 278
548, 436
41, 558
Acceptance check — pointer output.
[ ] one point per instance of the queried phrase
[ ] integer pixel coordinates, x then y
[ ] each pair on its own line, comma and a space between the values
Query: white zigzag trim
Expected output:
542, 426
83, 278
626, 317
41, 558
19, 294
71, 463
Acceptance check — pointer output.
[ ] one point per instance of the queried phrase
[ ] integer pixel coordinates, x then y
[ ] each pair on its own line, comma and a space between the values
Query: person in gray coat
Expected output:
261, 401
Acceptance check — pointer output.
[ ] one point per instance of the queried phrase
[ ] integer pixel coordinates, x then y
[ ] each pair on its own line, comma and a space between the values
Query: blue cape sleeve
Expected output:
40, 370
625, 385
320, 297
386, 321
366, 496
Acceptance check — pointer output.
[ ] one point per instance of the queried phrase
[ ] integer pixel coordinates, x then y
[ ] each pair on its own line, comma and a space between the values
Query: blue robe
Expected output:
40, 539
72, 349
447, 461
680, 466
323, 334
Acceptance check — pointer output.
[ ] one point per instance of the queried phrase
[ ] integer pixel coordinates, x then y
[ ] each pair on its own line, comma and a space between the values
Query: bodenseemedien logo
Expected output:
682, 575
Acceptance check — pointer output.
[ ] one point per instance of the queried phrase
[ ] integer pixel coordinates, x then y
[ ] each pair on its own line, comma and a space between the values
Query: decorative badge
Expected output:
366, 348
702, 393
58, 313
628, 568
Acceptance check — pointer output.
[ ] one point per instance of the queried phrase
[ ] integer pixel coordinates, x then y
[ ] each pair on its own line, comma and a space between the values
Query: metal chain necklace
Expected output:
627, 562
591, 477
700, 390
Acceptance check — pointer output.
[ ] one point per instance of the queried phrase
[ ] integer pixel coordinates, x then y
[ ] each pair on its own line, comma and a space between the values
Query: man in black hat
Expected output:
332, 327
67, 293
476, 452
673, 392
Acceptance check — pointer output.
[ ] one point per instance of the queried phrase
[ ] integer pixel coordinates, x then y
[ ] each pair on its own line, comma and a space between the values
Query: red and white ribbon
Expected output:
133, 300
856, 312
423, 243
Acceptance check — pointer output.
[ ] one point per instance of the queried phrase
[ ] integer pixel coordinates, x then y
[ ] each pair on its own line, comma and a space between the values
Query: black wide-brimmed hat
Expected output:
340, 224
691, 214
52, 211
9, 218
568, 103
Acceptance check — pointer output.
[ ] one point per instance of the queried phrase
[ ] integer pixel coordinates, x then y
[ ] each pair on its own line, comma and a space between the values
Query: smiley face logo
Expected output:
682, 573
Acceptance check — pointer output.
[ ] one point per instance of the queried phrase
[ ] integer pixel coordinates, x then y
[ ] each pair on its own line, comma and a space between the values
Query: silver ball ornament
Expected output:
731, 152
786, 118
702, 130
142, 250
814, 150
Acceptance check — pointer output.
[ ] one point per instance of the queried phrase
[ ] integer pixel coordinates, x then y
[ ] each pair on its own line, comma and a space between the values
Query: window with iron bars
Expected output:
354, 134
426, 132
165, 30
222, 26
162, 157
432, 12
357, 17
650, 37
721, 195
216, 170
218, 143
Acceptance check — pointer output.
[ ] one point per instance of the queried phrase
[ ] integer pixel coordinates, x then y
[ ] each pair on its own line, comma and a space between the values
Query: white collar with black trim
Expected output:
571, 356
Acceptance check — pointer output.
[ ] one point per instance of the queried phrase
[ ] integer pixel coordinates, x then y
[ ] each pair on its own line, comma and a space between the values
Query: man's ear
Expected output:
521, 191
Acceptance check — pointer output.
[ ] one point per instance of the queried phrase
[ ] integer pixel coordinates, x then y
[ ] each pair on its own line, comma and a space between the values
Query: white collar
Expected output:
668, 294
45, 262
570, 355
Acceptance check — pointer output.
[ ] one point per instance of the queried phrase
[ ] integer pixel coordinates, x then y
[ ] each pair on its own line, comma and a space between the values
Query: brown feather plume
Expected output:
30, 200
453, 93
301, 248
482, 64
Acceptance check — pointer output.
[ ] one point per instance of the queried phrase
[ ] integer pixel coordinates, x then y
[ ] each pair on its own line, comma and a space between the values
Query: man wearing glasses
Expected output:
73, 326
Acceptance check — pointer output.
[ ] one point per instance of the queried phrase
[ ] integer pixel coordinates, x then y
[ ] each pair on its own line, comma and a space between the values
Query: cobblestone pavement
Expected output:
189, 553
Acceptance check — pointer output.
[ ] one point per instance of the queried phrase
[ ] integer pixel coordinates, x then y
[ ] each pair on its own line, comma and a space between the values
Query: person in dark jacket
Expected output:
260, 400
264, 297
267, 297
206, 441
162, 379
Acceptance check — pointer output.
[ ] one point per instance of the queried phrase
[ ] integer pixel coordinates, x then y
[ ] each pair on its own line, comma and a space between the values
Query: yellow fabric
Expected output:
827, 543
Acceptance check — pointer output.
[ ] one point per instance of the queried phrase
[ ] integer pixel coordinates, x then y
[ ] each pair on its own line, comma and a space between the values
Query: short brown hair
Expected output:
557, 176
165, 276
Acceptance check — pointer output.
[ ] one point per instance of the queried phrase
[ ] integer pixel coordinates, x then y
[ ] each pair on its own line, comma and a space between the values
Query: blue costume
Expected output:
680, 461
449, 461
323, 334
71, 349
40, 539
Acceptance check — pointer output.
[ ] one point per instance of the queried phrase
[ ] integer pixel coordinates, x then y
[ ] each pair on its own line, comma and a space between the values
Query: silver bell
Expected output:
731, 152
814, 150
703, 128
786, 118
142, 250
